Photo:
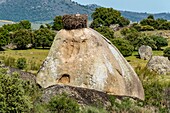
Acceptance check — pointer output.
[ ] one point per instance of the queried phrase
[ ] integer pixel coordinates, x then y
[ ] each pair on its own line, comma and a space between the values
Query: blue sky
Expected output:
150, 6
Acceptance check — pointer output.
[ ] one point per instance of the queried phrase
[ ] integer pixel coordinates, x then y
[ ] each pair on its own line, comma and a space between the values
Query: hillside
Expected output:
136, 17
39, 10
42, 10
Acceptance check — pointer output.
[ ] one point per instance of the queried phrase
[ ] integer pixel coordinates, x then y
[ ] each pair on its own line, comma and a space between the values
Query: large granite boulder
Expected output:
84, 58
159, 64
145, 52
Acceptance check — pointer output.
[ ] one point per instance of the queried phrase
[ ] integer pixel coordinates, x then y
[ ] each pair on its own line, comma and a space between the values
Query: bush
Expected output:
155, 95
124, 105
167, 52
106, 31
123, 46
21, 63
164, 26
14, 94
126, 31
43, 37
106, 17
63, 104
22, 38
58, 23
159, 41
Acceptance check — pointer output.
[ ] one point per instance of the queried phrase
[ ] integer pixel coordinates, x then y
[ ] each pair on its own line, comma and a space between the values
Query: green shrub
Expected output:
167, 52
21, 63
58, 23
63, 104
123, 46
155, 95
22, 38
159, 41
124, 105
106, 31
164, 26
126, 31
14, 94
106, 17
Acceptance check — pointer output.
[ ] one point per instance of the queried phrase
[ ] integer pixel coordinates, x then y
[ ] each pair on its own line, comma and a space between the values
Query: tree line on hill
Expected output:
21, 35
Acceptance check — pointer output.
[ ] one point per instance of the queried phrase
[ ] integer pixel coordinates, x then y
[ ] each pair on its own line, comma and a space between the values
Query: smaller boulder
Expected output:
145, 52
159, 64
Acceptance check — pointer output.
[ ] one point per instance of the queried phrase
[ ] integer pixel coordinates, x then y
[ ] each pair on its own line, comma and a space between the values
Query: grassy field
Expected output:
37, 56
34, 57
134, 60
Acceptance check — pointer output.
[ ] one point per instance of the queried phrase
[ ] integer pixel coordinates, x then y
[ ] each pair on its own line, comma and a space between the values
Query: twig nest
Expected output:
75, 21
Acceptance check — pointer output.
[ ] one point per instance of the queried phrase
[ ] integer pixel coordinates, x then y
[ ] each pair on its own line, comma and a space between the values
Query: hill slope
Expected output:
136, 17
39, 10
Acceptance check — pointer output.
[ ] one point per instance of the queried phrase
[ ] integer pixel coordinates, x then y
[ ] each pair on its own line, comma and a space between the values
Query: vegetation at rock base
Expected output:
155, 90
16, 95
62, 104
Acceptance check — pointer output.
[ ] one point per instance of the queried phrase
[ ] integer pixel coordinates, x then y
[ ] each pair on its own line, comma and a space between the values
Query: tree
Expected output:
4, 37
13, 94
133, 38
97, 23
138, 39
43, 37
161, 21
123, 21
123, 46
22, 38
11, 27
106, 31
150, 17
58, 23
159, 41
167, 52
107, 16
25, 24
150, 22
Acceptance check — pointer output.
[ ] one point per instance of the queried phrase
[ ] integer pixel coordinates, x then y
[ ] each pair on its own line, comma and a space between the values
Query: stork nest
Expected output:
76, 21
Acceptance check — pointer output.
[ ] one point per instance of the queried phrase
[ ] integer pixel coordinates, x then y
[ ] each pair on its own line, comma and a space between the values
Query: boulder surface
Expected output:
159, 64
84, 58
145, 52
